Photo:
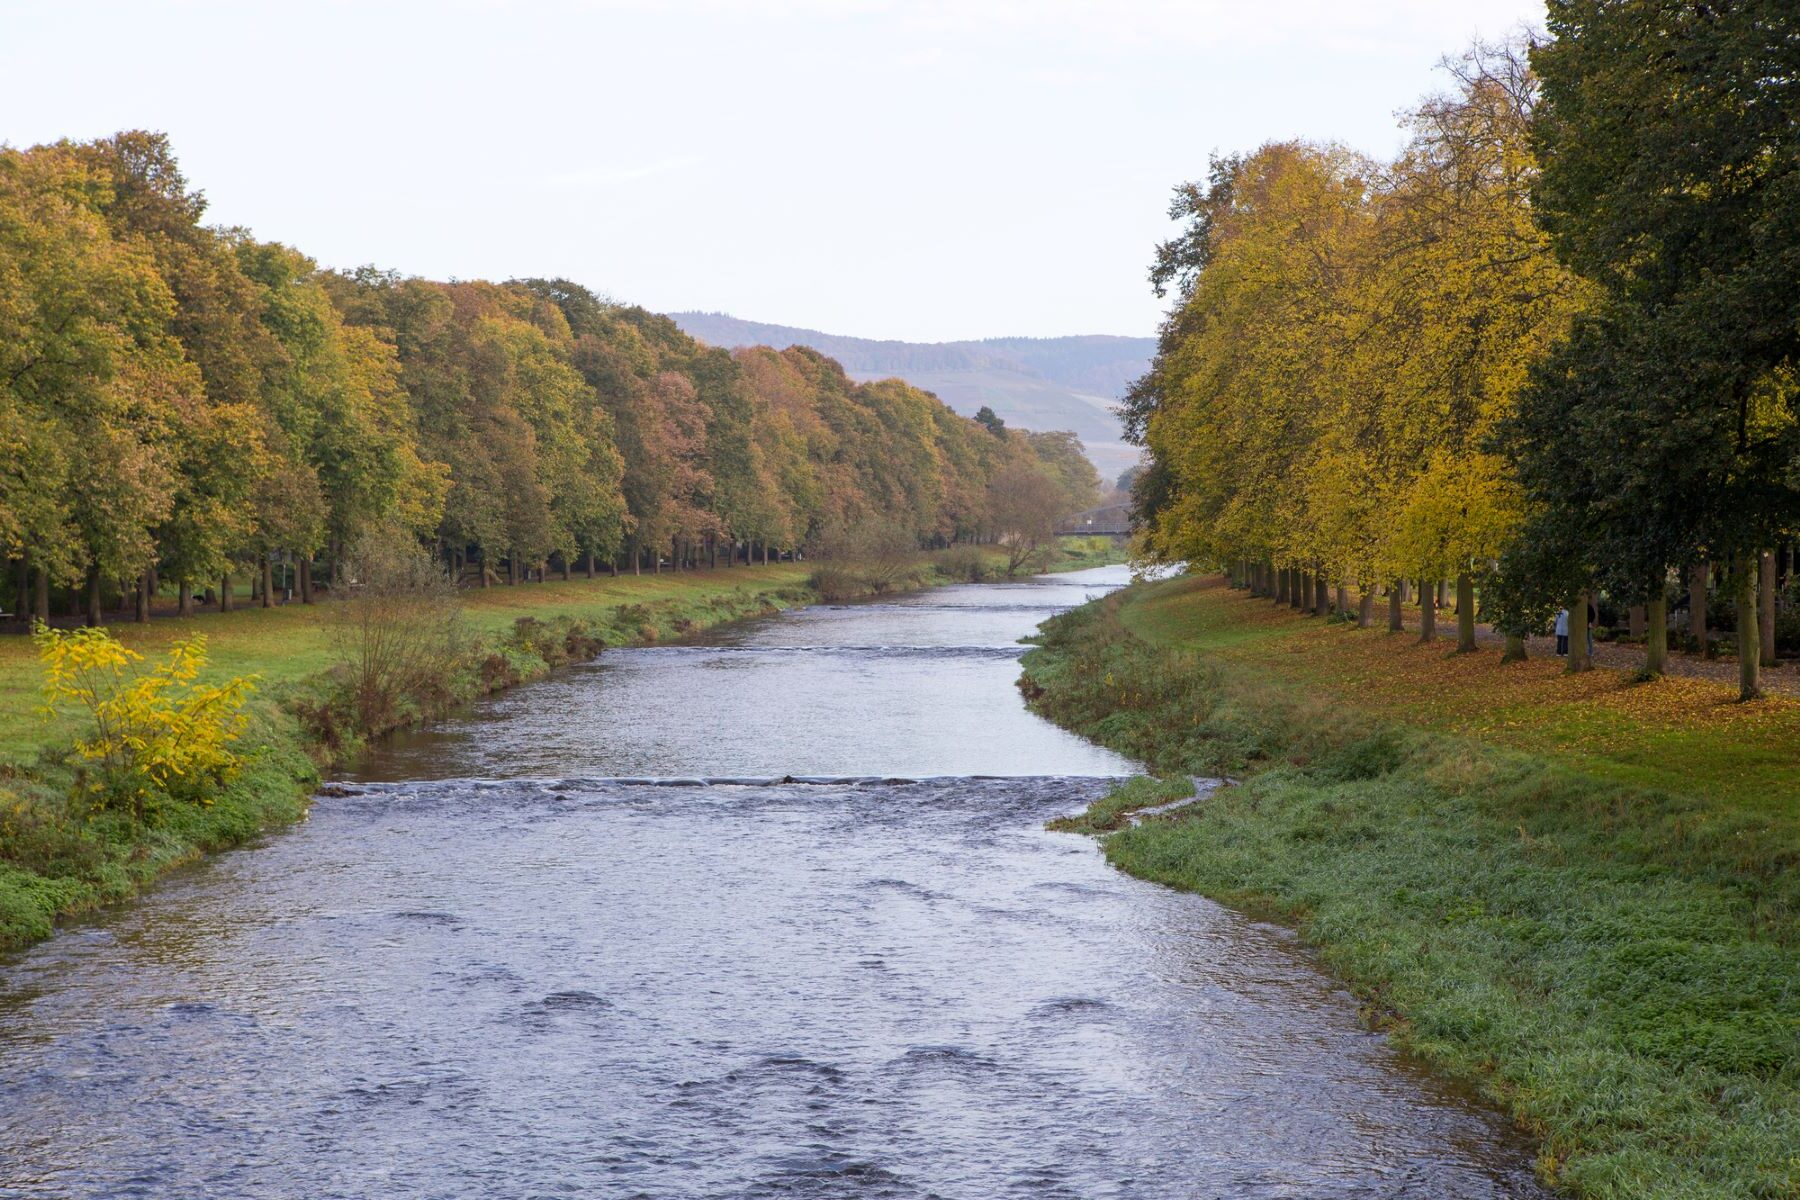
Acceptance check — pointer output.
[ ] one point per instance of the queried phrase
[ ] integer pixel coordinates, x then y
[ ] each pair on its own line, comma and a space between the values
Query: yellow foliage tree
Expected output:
154, 733
1349, 337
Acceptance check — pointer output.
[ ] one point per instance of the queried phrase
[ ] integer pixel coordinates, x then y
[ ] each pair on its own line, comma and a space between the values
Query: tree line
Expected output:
186, 408
1546, 352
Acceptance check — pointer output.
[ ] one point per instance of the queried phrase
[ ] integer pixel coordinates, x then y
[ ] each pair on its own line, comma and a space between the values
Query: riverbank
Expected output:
1577, 893
58, 860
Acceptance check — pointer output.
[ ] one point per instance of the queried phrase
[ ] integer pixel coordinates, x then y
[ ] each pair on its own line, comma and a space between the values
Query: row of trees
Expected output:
181, 404
1549, 349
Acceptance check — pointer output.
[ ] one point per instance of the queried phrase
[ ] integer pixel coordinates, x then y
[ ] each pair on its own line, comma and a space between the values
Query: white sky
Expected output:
917, 169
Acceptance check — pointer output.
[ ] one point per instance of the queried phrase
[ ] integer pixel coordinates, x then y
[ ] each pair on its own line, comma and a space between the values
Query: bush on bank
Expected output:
1616, 967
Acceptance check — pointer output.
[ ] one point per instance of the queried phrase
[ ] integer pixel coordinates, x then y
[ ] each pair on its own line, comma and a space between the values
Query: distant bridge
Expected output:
1109, 520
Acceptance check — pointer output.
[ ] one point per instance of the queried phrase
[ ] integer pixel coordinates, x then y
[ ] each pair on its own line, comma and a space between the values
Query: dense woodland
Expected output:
1548, 352
185, 410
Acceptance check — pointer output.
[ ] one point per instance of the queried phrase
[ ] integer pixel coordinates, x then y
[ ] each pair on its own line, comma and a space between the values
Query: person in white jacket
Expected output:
1562, 633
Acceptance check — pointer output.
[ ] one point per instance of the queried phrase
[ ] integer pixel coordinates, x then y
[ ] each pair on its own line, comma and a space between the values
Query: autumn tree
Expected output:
1023, 504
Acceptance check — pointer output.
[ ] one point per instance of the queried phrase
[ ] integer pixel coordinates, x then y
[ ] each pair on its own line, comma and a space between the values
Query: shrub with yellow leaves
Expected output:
156, 733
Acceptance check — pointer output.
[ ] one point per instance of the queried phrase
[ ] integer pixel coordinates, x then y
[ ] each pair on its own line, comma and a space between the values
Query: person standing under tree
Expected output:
1562, 633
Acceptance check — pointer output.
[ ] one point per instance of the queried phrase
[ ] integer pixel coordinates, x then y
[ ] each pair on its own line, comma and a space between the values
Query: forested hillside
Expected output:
182, 404
1068, 383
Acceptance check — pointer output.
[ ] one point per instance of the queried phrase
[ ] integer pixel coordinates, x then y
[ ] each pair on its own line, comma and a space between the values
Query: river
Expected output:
580, 943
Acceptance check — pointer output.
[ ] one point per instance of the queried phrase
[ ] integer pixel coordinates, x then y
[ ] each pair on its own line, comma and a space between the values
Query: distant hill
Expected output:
1038, 383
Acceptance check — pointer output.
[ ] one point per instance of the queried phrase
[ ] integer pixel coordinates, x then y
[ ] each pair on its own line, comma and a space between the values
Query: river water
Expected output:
497, 968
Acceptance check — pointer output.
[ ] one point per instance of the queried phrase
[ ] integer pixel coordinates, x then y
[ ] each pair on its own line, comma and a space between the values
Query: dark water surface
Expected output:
497, 971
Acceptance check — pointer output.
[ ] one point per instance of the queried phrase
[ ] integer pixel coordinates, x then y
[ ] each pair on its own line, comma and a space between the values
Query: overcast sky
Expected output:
917, 169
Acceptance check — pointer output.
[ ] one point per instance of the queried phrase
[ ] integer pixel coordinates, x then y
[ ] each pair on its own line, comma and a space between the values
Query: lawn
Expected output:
1678, 734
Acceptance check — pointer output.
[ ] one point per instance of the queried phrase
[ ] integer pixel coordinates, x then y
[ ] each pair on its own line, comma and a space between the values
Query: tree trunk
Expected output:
1635, 621
225, 593
95, 618
184, 599
1515, 649
1749, 641
306, 588
1303, 589
1579, 658
1698, 577
1342, 603
40, 597
1465, 613
144, 593
1427, 611
1365, 606
1765, 596
268, 583
1443, 593
1656, 633
1396, 607
1281, 585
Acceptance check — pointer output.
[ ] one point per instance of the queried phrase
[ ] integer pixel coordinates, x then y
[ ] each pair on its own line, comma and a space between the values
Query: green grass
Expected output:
1612, 960
1114, 810
1079, 553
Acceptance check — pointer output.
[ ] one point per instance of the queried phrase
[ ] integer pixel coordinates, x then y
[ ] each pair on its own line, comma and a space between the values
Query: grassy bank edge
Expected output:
111, 859
1613, 966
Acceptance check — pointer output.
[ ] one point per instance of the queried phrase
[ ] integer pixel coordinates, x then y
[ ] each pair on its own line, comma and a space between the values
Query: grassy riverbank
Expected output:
1578, 893
57, 858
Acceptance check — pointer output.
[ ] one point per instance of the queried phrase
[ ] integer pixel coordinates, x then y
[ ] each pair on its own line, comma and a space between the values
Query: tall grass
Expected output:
1617, 967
